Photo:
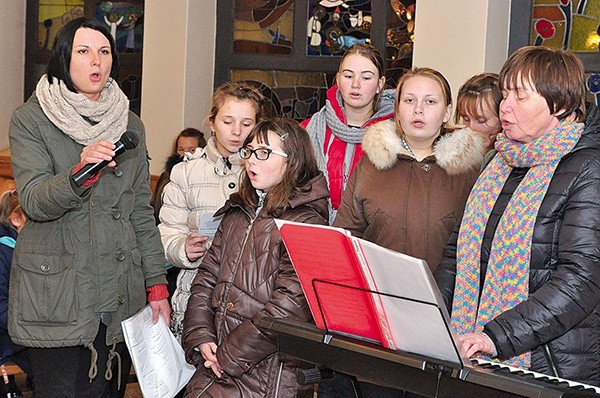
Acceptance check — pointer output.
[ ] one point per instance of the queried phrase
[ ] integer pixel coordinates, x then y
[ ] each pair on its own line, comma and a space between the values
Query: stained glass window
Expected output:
335, 25
570, 24
265, 28
124, 20
399, 39
295, 95
52, 15
593, 86
256, 43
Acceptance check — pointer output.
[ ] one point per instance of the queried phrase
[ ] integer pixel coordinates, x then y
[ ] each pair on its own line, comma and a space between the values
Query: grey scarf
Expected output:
82, 119
327, 117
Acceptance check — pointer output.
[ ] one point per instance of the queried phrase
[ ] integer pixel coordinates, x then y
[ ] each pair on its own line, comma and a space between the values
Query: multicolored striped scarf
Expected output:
506, 281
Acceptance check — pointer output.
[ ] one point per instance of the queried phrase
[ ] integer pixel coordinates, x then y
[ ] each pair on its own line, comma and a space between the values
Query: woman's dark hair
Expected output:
556, 74
190, 132
301, 165
60, 59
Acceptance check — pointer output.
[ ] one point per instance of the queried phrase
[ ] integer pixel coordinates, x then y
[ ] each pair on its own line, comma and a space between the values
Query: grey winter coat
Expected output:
83, 251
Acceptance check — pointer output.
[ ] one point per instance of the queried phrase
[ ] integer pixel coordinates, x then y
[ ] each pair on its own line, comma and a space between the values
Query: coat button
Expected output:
45, 267
118, 172
231, 185
120, 256
120, 299
229, 306
426, 167
247, 366
116, 214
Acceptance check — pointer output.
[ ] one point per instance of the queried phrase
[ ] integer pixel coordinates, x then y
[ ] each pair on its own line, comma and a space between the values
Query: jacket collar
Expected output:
313, 191
211, 152
456, 152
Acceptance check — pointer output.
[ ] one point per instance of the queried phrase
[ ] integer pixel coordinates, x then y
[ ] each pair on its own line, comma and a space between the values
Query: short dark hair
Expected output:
301, 165
60, 59
556, 74
190, 132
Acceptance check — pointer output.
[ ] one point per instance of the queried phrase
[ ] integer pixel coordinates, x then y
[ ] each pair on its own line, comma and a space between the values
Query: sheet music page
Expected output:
415, 310
157, 357
208, 224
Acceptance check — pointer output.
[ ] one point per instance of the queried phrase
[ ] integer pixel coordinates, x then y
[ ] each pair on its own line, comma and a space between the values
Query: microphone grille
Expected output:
129, 139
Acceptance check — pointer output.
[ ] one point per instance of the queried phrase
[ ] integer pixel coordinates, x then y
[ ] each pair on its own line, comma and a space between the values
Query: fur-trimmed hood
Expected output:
456, 152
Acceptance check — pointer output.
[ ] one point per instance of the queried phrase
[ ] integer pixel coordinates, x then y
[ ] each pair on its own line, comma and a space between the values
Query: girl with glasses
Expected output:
202, 183
246, 273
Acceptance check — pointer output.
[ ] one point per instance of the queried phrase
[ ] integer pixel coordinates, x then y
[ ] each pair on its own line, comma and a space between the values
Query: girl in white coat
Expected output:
202, 183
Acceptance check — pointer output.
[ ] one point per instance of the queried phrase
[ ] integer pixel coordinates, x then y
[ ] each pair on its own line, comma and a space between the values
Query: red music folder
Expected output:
357, 288
333, 277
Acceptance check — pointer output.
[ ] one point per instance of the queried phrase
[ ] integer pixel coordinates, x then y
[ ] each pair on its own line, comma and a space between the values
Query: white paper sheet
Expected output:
158, 359
208, 224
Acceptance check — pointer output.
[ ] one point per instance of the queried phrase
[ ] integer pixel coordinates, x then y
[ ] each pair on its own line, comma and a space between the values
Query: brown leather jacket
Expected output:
246, 275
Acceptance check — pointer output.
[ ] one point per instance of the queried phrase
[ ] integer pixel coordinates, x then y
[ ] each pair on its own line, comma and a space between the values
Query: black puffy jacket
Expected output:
560, 321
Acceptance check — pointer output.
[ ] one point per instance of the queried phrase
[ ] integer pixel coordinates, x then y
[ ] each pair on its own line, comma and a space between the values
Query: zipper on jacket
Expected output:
246, 235
278, 383
206, 387
551, 362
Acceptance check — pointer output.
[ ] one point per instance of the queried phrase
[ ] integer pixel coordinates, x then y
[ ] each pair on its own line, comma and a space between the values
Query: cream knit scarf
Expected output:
82, 119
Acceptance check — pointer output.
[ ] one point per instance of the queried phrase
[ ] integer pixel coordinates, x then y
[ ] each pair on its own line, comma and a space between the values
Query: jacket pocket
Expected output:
46, 288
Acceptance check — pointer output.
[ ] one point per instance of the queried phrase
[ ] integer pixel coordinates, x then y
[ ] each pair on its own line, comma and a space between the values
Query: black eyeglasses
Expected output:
260, 153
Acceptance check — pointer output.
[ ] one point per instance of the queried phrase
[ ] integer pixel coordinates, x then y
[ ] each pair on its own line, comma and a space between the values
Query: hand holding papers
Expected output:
158, 358
358, 288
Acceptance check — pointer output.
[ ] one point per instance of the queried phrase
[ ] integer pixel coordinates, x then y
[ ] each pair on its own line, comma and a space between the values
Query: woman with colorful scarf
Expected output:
90, 254
522, 273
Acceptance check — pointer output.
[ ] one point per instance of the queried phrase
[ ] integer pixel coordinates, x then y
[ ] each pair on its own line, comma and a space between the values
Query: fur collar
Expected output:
456, 152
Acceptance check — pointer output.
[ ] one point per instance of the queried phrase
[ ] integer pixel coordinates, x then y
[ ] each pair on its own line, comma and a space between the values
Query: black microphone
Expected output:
127, 141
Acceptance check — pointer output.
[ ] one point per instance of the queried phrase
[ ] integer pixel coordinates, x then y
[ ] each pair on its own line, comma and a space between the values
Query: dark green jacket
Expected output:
83, 251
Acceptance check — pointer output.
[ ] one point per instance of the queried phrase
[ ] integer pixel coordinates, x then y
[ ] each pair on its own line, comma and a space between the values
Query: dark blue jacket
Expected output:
7, 238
